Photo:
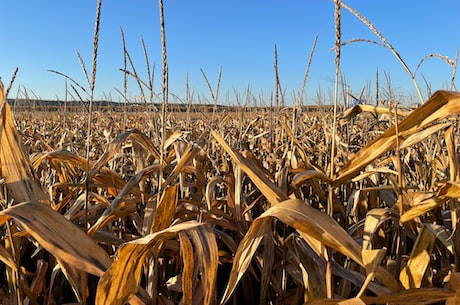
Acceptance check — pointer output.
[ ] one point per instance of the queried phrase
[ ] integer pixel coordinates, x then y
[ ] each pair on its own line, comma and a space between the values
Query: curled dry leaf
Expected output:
15, 166
426, 202
115, 145
59, 236
354, 111
121, 281
441, 105
300, 216
118, 202
411, 276
271, 191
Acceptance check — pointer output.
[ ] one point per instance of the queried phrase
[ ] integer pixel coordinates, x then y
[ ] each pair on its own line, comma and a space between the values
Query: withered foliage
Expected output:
242, 210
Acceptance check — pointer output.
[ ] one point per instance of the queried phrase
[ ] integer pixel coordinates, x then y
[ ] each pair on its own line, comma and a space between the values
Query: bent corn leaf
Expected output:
300, 216
442, 104
59, 236
121, 281
15, 166
271, 191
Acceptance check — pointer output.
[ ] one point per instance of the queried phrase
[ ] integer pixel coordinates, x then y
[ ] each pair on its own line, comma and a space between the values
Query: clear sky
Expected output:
237, 35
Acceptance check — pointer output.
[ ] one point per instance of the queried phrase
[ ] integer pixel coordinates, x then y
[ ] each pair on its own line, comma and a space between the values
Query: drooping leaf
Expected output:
411, 276
59, 236
118, 202
115, 145
371, 259
15, 166
121, 281
442, 104
187, 273
271, 191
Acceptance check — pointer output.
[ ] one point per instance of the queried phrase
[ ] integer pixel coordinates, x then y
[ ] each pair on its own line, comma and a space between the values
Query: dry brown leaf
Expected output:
425, 202
411, 276
187, 273
270, 190
118, 202
115, 145
422, 134
311, 266
164, 213
78, 280
452, 154
354, 111
59, 236
244, 254
449, 190
372, 260
121, 281
309, 174
422, 203
373, 221
70, 160
187, 156
172, 138
441, 105
211, 190
207, 257
15, 166
38, 282
300, 216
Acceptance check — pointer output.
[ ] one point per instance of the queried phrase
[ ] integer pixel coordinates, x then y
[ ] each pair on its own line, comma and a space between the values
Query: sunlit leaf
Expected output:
59, 236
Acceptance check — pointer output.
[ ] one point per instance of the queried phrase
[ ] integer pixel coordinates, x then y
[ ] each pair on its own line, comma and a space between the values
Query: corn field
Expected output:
242, 205
243, 212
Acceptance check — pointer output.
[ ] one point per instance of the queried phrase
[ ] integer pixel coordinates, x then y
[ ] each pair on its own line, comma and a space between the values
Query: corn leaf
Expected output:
59, 236
15, 166
441, 105
411, 276
121, 281
271, 191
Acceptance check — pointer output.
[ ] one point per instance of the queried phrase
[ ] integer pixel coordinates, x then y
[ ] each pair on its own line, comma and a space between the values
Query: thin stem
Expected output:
164, 89
90, 110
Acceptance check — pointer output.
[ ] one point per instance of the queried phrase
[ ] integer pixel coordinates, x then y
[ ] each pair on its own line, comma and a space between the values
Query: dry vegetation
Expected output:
254, 206
246, 212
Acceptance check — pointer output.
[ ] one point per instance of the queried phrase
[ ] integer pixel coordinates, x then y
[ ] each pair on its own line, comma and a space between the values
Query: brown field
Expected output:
230, 205
242, 207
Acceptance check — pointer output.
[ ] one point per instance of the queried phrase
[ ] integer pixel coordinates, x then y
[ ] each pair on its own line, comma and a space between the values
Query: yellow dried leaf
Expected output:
270, 190
421, 204
118, 202
59, 236
187, 274
121, 281
207, 256
441, 105
300, 216
354, 111
164, 213
15, 166
371, 259
115, 145
411, 276
309, 174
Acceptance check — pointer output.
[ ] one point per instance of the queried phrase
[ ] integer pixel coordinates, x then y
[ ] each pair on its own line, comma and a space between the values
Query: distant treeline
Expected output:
78, 106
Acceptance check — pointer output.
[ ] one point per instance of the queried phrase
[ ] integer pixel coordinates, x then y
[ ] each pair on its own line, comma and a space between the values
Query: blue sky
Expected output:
238, 36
